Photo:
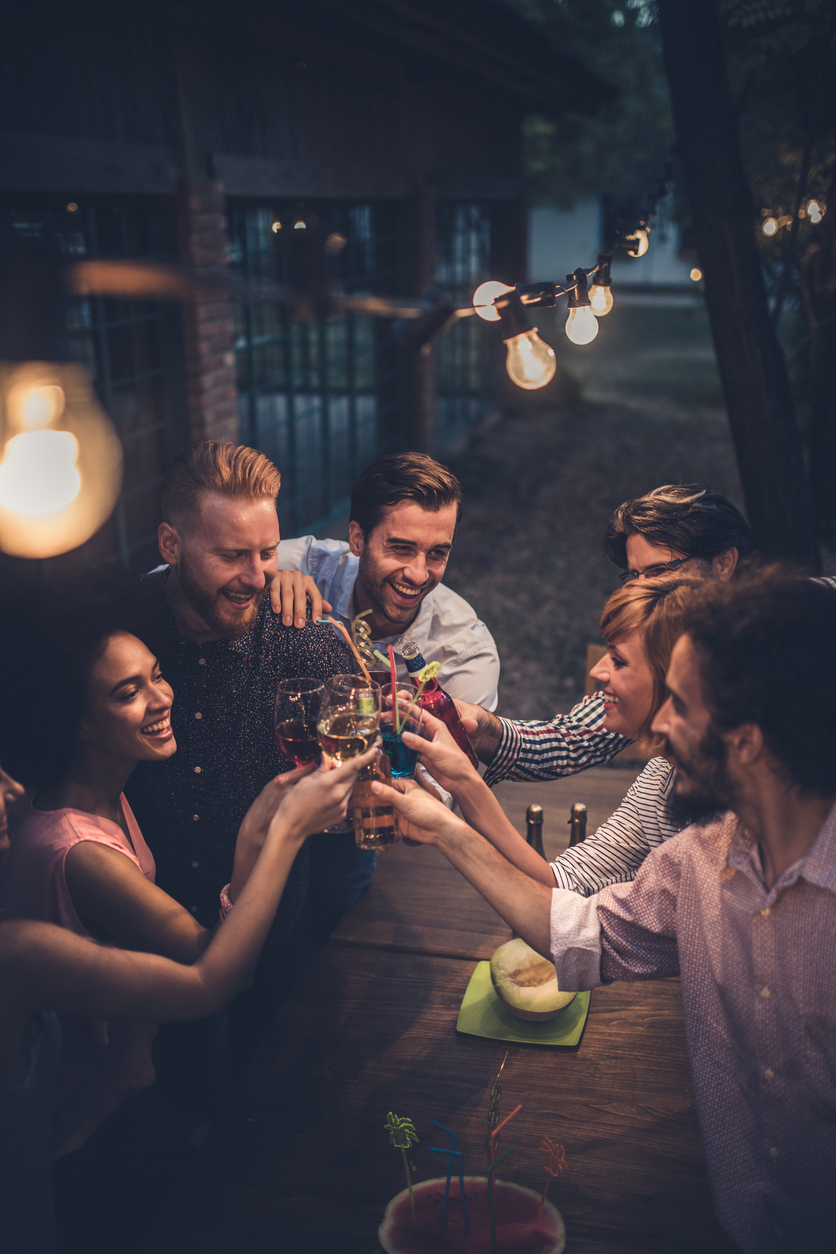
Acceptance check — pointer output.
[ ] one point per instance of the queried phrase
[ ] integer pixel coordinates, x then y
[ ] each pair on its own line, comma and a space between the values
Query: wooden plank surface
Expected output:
301, 1163
418, 903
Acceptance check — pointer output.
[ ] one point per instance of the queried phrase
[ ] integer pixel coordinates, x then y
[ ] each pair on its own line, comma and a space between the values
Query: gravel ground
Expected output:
638, 408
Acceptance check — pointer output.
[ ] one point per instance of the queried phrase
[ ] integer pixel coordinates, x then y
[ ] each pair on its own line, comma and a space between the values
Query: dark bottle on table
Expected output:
437, 702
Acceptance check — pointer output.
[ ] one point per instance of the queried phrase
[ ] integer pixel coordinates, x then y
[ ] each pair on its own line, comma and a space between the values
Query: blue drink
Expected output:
402, 760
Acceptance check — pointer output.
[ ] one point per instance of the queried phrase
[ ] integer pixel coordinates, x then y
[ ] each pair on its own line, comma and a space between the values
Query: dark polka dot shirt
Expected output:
191, 806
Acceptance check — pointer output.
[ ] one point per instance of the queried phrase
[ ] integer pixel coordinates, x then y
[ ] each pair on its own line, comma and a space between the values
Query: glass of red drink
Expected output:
298, 703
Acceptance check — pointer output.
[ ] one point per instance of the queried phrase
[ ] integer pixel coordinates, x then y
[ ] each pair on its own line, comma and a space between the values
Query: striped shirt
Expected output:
557, 746
614, 853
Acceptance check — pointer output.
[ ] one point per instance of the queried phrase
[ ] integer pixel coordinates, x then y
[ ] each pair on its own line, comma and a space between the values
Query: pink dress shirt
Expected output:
758, 970
101, 1064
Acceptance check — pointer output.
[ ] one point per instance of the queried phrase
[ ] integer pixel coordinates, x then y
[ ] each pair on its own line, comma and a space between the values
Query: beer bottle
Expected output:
434, 699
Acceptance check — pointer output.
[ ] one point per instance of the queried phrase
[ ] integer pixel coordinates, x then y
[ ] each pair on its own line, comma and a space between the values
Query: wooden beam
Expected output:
59, 163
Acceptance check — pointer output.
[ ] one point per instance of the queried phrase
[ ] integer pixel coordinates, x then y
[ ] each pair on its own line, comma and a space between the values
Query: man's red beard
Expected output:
217, 611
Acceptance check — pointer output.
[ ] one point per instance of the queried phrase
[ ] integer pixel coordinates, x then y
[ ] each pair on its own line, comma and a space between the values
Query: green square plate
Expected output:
483, 1014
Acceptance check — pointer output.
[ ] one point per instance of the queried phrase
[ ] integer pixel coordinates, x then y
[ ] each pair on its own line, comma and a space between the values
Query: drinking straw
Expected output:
554, 1160
350, 643
495, 1163
490, 1172
429, 672
498, 1129
454, 1153
395, 727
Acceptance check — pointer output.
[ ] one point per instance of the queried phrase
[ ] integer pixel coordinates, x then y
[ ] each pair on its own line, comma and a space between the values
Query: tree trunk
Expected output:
750, 360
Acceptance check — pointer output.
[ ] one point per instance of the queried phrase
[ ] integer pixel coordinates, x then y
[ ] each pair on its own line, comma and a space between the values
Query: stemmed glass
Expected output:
349, 719
298, 704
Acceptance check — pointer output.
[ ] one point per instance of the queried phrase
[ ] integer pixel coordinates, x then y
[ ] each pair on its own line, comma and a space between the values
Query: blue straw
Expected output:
453, 1153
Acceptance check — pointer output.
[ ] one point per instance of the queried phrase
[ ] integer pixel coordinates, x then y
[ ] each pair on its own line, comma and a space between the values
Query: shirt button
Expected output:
198, 716
201, 661
765, 993
195, 817
197, 864
197, 772
766, 912
193, 909
773, 1153
768, 1073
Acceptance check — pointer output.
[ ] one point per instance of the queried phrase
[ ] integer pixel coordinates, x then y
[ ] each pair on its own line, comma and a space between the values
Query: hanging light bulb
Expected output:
815, 209
769, 226
61, 467
581, 325
530, 363
484, 297
600, 293
639, 241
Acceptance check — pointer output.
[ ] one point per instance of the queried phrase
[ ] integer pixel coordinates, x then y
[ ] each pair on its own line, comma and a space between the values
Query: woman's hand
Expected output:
318, 799
260, 814
440, 754
422, 819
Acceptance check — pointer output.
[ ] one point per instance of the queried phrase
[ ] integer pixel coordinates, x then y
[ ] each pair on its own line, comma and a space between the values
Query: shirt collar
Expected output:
818, 866
418, 631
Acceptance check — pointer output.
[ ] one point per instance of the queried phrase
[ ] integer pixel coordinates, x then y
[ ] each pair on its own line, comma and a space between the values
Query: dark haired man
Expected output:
405, 508
677, 528
741, 907
404, 512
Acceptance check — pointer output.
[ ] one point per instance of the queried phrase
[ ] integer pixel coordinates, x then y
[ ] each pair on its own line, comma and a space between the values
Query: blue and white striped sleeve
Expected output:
559, 746
614, 853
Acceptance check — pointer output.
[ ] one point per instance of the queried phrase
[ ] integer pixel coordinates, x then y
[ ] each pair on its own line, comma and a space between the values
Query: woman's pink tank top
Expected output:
102, 1064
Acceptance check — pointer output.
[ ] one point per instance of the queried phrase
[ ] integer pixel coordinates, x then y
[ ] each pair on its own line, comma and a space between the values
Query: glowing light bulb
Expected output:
484, 297
815, 210
770, 226
39, 474
640, 239
60, 459
600, 300
695, 274
276, 227
582, 325
530, 363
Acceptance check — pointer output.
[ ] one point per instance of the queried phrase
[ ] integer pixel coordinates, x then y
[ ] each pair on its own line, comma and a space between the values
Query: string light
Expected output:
484, 297
581, 325
600, 293
530, 363
815, 210
61, 466
695, 275
769, 226
640, 241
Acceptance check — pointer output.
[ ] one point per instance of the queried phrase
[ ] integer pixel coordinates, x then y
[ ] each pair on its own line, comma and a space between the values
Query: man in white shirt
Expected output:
404, 512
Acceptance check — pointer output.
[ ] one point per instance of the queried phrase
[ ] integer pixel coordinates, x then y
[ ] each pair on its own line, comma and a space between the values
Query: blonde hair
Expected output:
659, 609
228, 469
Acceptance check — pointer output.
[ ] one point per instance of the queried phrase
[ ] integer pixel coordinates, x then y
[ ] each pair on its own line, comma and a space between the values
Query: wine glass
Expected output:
349, 719
298, 703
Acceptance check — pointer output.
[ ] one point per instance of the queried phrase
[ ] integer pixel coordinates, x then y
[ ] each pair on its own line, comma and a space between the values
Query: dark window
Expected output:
133, 351
321, 398
464, 250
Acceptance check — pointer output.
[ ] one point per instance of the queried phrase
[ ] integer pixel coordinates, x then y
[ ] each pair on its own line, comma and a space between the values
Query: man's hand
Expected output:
483, 728
290, 592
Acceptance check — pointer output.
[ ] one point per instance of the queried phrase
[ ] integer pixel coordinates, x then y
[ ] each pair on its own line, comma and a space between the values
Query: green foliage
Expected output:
620, 150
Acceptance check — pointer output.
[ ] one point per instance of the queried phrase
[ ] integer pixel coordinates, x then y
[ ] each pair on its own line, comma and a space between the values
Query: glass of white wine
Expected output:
349, 717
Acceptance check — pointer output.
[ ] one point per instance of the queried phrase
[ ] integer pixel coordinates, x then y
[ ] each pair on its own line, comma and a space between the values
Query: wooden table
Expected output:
301, 1163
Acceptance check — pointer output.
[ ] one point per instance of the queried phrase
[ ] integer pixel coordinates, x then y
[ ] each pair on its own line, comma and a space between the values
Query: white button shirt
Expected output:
446, 628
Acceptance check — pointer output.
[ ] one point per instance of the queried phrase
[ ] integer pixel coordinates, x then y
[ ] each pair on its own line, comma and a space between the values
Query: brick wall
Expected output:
207, 318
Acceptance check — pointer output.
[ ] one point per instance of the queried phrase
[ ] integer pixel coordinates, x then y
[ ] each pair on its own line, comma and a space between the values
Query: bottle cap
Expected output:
409, 650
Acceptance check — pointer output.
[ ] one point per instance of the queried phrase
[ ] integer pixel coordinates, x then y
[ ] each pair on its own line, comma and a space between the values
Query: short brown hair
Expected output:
403, 477
660, 609
685, 517
229, 469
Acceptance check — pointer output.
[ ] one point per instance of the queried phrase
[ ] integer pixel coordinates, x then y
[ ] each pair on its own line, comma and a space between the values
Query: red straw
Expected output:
497, 1131
394, 688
